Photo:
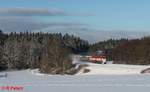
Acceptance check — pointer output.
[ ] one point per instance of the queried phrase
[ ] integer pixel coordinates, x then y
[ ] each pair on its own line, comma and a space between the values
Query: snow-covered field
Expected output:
113, 69
101, 78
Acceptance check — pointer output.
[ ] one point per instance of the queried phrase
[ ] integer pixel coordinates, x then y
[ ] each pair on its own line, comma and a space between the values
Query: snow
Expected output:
78, 83
101, 78
113, 69
109, 68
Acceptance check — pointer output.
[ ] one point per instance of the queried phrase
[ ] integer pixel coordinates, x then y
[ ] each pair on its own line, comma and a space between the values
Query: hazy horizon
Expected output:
92, 20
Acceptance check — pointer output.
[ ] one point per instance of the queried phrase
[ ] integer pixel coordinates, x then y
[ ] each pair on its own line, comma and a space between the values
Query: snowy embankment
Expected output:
109, 68
101, 69
113, 69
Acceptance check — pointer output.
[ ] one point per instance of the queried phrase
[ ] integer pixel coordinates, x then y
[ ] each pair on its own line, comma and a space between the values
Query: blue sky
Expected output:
106, 15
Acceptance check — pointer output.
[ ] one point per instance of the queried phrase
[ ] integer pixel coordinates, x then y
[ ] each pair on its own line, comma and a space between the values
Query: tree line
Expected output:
125, 51
50, 52
134, 51
46, 51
